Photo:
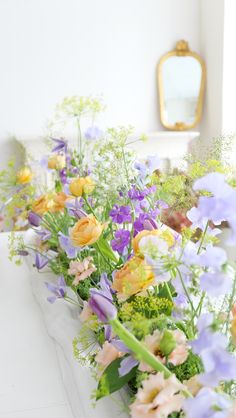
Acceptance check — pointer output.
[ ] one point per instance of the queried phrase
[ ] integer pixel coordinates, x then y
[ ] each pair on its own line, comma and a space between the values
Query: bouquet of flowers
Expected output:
158, 295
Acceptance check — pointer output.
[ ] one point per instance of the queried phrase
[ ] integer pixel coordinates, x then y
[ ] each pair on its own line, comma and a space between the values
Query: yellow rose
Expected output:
57, 162
86, 231
24, 175
81, 185
135, 276
49, 203
165, 234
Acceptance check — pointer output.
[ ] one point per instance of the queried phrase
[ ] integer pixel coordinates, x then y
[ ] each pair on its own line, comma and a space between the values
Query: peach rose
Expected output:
57, 162
135, 276
81, 185
86, 231
24, 175
49, 203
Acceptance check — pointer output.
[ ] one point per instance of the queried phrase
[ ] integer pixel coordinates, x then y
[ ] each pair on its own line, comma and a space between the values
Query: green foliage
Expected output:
84, 287
111, 381
189, 368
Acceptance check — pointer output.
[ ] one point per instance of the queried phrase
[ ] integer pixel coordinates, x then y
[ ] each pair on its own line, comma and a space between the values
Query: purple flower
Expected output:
213, 257
67, 246
153, 163
129, 362
198, 221
144, 221
61, 144
75, 208
105, 286
142, 169
219, 365
214, 183
63, 175
136, 194
41, 261
215, 283
121, 241
23, 253
207, 404
102, 306
120, 214
58, 290
222, 205
34, 219
93, 133
44, 234
126, 365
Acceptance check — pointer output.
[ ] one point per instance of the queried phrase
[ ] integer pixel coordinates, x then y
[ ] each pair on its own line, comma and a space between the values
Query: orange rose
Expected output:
86, 231
81, 185
57, 162
135, 276
49, 203
24, 175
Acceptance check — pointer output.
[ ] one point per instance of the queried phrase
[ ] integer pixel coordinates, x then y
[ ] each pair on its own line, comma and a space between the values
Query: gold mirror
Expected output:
181, 80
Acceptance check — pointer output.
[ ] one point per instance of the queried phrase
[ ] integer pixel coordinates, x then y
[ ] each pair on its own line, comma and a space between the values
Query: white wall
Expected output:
229, 73
211, 46
53, 48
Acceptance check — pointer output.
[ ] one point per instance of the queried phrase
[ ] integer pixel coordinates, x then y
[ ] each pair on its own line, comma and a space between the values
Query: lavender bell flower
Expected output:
121, 241
219, 365
93, 133
216, 283
61, 144
121, 214
58, 290
41, 261
102, 306
207, 404
67, 246
44, 234
129, 362
34, 219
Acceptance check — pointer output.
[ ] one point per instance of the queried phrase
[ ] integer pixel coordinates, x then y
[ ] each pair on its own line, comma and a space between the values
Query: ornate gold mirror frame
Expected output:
182, 49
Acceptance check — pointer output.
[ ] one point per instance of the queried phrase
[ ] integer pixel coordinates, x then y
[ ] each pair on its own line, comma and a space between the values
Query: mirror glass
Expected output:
181, 79
181, 86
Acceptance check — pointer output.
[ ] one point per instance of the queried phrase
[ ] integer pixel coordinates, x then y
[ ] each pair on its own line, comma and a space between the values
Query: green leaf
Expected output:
103, 246
111, 381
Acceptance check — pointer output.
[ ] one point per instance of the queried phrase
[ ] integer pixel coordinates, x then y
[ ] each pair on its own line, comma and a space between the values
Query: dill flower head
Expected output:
146, 306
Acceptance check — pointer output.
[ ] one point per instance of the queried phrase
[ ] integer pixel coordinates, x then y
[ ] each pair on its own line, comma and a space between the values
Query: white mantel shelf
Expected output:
168, 145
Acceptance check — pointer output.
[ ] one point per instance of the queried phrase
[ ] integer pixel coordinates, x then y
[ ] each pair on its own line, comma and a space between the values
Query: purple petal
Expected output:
40, 261
51, 299
127, 364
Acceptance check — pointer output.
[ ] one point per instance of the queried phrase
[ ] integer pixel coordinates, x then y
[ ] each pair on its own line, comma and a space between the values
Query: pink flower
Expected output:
86, 313
107, 355
176, 357
180, 354
81, 269
233, 411
158, 397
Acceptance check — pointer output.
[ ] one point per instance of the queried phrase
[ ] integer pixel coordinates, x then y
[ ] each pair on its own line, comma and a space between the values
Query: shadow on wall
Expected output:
11, 149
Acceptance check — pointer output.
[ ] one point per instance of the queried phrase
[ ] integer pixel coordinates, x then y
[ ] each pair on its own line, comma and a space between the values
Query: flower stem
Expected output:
202, 238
